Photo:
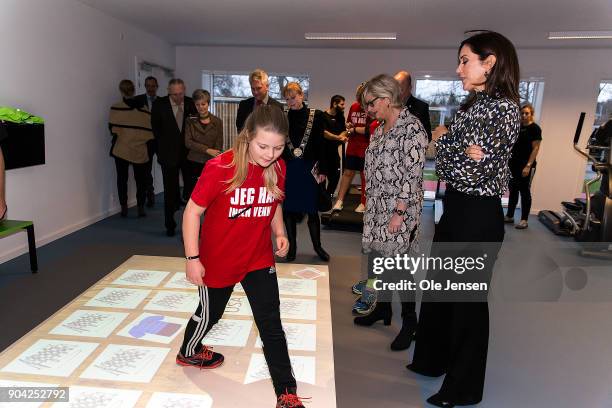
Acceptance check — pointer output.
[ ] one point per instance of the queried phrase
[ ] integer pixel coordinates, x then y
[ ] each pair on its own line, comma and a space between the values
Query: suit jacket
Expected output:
246, 107
171, 150
420, 109
144, 101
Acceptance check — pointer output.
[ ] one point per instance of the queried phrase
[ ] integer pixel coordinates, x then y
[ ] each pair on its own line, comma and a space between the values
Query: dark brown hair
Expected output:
503, 78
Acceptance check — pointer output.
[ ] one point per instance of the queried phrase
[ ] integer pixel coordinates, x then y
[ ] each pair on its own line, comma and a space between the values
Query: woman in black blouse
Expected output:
472, 158
305, 150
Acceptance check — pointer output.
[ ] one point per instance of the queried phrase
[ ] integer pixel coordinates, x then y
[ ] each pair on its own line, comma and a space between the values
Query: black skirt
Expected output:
301, 190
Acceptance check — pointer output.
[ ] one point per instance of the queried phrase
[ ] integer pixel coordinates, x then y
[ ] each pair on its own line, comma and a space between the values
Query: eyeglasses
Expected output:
370, 103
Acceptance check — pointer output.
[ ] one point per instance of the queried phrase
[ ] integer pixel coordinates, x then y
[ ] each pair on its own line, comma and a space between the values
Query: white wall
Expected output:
571, 76
62, 60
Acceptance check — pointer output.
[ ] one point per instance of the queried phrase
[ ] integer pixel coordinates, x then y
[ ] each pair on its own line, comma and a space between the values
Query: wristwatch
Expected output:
189, 258
399, 212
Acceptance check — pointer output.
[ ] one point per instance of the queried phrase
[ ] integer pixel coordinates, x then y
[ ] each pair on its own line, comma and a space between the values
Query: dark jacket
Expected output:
420, 109
171, 150
315, 148
246, 107
143, 100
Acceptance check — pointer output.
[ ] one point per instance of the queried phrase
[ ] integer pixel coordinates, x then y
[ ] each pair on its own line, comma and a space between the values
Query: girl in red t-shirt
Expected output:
240, 191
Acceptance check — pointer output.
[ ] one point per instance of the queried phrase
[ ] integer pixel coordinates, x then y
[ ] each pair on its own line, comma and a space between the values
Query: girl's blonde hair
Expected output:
268, 118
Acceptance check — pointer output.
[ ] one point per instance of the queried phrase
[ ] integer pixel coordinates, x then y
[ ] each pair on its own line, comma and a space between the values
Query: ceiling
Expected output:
418, 23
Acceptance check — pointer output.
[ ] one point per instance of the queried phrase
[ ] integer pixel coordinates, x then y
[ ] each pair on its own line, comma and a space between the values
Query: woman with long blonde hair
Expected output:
240, 191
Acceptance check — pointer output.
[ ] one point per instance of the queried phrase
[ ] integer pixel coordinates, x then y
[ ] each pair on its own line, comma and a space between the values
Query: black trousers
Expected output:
172, 191
140, 174
453, 337
151, 149
520, 185
261, 288
195, 170
335, 172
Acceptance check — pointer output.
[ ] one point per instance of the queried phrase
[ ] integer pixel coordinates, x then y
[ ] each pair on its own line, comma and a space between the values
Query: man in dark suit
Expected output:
259, 88
147, 99
168, 122
415, 106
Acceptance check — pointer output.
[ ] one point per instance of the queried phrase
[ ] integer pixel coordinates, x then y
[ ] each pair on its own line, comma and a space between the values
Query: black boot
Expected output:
141, 211
382, 311
314, 226
291, 227
409, 326
150, 198
124, 210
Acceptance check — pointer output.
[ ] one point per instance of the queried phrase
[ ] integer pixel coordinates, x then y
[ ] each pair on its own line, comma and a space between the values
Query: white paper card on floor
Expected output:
21, 404
139, 277
91, 397
300, 336
298, 287
303, 369
228, 332
179, 281
154, 327
173, 301
238, 306
176, 400
308, 273
90, 323
120, 298
302, 309
57, 358
126, 363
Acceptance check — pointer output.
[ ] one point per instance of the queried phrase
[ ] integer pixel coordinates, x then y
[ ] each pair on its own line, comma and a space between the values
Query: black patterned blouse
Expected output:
490, 123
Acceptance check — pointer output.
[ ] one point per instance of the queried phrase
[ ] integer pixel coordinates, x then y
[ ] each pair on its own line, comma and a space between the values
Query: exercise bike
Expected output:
589, 220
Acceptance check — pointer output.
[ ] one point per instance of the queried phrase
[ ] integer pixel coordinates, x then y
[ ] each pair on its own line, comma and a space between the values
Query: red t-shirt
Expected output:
232, 247
357, 143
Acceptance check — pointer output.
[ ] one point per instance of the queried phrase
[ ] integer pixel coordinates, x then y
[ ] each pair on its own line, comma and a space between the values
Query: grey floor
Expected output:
551, 312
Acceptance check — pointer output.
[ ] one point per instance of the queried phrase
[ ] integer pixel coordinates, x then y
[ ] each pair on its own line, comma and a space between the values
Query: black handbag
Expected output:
324, 202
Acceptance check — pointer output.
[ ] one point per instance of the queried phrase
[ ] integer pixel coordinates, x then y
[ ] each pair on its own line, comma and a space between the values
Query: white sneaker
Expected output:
338, 206
360, 208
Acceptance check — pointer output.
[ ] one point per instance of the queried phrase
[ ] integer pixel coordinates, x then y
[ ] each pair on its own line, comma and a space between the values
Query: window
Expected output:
603, 110
227, 89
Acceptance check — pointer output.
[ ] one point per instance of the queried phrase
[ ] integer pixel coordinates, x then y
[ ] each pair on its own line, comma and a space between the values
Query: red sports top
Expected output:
234, 243
357, 143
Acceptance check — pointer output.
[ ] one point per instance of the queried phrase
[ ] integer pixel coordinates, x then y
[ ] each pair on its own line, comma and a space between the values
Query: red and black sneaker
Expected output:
289, 399
205, 358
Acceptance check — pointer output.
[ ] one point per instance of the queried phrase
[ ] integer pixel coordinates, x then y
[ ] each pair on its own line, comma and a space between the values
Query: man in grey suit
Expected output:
259, 88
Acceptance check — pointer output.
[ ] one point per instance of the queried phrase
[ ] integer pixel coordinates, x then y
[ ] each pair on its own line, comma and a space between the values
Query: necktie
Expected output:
179, 117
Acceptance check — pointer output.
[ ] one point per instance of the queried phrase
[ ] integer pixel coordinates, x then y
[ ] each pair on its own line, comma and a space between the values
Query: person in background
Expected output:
358, 139
416, 106
472, 159
258, 79
523, 166
336, 137
233, 245
168, 122
147, 99
203, 138
394, 163
306, 166
130, 125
